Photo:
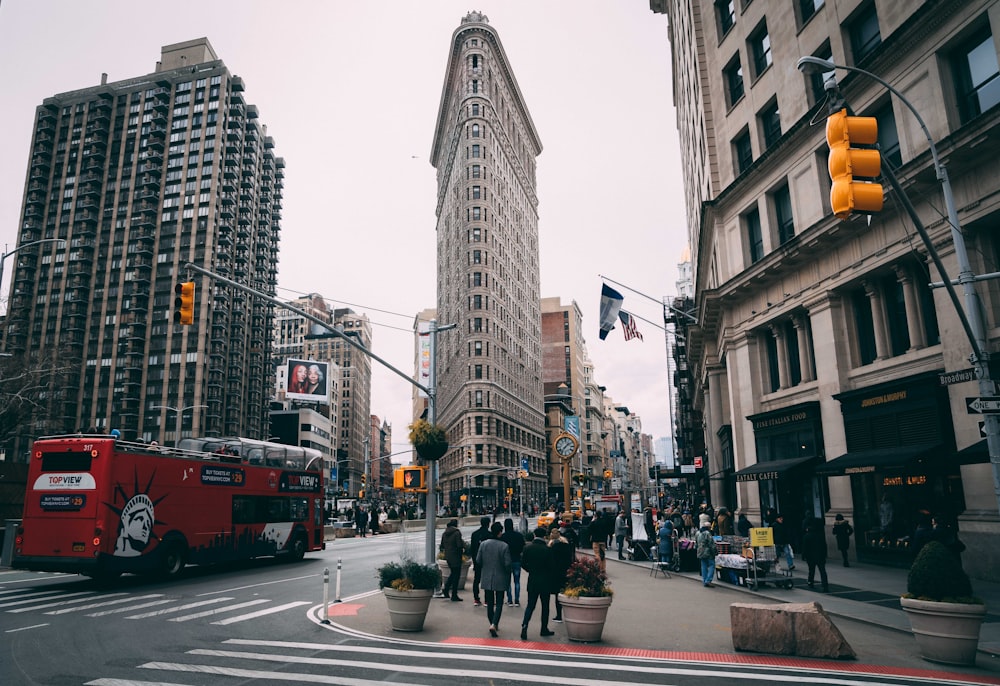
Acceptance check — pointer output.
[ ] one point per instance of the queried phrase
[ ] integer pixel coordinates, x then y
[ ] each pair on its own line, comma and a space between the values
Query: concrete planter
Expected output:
407, 609
584, 617
390, 526
945, 632
446, 572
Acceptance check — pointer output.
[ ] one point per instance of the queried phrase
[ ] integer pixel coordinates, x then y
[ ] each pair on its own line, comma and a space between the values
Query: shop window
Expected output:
977, 78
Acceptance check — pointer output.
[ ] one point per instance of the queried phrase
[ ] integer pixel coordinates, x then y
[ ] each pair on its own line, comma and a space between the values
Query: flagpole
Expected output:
649, 297
633, 314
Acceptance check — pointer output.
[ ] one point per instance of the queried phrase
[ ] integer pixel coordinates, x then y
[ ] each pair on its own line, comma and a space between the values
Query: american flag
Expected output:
628, 326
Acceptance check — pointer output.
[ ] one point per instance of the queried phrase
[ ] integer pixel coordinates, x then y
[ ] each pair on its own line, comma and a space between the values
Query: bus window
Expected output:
300, 509
255, 455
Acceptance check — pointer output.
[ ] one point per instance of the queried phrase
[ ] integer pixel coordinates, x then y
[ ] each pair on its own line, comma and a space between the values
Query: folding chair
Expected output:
657, 566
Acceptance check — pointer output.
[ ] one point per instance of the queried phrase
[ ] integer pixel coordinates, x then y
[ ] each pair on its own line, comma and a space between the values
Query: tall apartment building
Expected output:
489, 381
821, 359
138, 177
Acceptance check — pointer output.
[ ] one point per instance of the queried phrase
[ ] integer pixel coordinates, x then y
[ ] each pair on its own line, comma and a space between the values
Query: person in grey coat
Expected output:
493, 558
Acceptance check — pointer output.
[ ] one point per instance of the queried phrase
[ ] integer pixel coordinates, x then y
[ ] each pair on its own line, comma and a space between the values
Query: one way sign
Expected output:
990, 405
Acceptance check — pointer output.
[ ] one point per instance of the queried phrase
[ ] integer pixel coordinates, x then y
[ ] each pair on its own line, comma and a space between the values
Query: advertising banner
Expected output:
308, 380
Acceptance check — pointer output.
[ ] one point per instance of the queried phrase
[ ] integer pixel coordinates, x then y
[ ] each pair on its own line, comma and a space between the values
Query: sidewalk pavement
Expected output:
653, 614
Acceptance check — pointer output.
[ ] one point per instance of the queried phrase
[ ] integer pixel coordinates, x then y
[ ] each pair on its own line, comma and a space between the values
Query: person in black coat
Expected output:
538, 560
814, 552
842, 531
477, 538
743, 524
563, 554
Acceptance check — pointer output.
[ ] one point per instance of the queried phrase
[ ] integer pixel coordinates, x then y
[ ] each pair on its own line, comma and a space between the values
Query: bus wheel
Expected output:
297, 548
173, 559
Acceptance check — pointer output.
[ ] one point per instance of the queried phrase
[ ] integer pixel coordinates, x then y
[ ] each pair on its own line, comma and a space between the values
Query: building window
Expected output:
733, 75
479, 420
888, 137
477, 348
475, 130
475, 171
475, 110
865, 36
478, 371
477, 257
475, 61
817, 80
864, 329
895, 315
725, 10
770, 124
742, 152
783, 215
475, 86
760, 48
755, 239
807, 8
976, 75
477, 192
477, 278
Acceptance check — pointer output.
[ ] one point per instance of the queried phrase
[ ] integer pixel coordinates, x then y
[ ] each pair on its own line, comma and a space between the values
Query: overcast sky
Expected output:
349, 90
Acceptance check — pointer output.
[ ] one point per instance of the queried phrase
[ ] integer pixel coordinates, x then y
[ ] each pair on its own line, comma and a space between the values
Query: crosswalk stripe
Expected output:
275, 676
36, 599
105, 603
129, 682
61, 602
261, 613
119, 610
217, 611
171, 610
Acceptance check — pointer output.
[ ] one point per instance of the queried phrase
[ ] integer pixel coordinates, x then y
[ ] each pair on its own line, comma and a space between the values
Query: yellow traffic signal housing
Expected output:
848, 162
184, 303
361, 493
410, 479
364, 478
608, 473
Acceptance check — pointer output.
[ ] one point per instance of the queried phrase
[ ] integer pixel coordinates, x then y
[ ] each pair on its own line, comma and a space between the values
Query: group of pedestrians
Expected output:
499, 552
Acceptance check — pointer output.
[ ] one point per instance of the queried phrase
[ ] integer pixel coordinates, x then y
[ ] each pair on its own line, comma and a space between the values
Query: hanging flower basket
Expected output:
429, 440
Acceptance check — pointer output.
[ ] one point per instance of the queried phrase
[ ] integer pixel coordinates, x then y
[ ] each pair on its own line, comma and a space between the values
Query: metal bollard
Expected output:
326, 596
340, 565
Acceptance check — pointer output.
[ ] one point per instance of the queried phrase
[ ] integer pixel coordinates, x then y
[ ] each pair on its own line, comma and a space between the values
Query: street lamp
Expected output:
5, 255
180, 413
971, 317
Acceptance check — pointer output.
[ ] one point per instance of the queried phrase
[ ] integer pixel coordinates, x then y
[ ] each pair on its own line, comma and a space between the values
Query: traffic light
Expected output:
608, 473
848, 162
184, 303
361, 493
364, 479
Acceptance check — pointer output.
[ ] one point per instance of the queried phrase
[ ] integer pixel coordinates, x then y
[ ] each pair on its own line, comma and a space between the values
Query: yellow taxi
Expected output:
546, 518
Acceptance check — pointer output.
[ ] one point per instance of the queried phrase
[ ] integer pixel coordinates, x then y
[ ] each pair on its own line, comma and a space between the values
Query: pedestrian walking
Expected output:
783, 540
563, 554
724, 523
743, 524
452, 546
665, 542
515, 541
814, 552
705, 549
538, 561
600, 529
478, 536
621, 531
842, 531
361, 521
493, 559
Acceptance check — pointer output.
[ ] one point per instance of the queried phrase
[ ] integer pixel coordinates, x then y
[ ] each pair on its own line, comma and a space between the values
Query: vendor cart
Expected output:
752, 562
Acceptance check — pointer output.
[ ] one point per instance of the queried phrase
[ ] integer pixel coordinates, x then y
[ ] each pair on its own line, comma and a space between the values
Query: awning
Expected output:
977, 453
868, 461
768, 471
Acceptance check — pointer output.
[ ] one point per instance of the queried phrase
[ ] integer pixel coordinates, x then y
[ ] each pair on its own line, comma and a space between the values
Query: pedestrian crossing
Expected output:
406, 664
54, 602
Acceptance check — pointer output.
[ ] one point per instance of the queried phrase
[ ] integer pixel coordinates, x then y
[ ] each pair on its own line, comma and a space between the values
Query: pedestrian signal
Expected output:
410, 479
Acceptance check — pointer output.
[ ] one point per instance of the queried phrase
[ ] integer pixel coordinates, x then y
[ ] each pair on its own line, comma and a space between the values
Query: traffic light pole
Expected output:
971, 316
430, 389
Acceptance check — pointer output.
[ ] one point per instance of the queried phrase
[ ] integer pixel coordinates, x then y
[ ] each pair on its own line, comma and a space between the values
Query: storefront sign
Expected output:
687, 469
758, 476
780, 420
860, 470
912, 480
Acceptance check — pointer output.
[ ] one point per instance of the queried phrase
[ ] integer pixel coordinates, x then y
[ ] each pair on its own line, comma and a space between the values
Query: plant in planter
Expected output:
429, 440
408, 587
944, 615
585, 600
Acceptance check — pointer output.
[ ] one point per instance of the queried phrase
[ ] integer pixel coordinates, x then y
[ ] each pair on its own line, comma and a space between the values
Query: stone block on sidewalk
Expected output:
802, 629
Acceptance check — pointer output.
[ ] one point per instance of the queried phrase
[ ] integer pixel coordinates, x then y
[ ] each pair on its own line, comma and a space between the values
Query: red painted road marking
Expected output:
344, 609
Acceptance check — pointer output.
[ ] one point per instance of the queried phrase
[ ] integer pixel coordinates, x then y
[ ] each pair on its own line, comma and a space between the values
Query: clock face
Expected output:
565, 446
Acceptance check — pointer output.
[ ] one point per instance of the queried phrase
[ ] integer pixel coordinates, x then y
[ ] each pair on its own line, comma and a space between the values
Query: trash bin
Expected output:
7, 542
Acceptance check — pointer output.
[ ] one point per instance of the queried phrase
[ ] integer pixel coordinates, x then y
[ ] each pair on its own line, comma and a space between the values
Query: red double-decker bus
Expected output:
100, 506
